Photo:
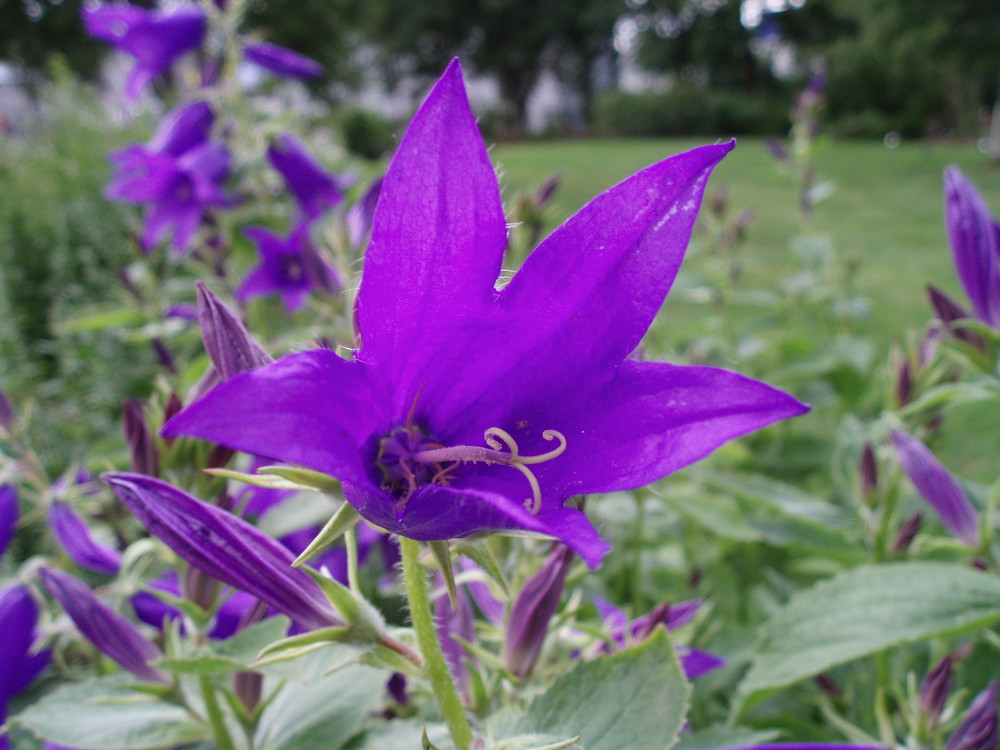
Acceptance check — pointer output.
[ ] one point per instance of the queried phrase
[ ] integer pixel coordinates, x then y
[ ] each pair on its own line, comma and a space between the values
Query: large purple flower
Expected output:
975, 245
538, 370
178, 174
155, 38
291, 267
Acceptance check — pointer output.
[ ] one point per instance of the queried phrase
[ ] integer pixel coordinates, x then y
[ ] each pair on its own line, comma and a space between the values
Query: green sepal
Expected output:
343, 519
384, 657
299, 475
425, 742
269, 481
442, 553
364, 622
483, 557
302, 643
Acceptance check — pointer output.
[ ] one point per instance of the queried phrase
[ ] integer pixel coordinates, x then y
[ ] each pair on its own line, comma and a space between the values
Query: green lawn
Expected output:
886, 209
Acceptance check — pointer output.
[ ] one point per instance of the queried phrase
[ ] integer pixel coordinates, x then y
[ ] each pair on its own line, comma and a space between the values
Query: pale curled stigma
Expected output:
498, 440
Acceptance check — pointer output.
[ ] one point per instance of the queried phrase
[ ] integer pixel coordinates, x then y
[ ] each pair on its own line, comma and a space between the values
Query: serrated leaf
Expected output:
866, 610
322, 714
634, 699
105, 714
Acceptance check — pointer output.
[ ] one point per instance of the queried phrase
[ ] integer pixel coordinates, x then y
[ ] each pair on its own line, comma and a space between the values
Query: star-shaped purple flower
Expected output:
291, 267
178, 174
155, 38
539, 370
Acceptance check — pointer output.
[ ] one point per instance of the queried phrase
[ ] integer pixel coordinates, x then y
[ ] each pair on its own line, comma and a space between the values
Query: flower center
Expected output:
291, 266
408, 458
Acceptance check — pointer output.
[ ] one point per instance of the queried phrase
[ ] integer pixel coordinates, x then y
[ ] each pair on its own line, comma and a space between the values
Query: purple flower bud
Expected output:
938, 487
975, 245
695, 663
281, 61
314, 188
948, 311
359, 216
776, 149
225, 547
828, 685
145, 457
248, 687
935, 690
906, 534
904, 381
396, 687
978, 730
8, 516
163, 355
529, 616
111, 633
929, 344
8, 417
227, 342
869, 473
18, 615
75, 537
547, 189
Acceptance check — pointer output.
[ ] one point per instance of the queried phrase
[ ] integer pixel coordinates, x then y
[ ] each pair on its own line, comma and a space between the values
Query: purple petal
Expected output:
8, 516
315, 189
491, 607
938, 487
111, 633
18, 616
224, 547
974, 246
281, 61
312, 409
75, 537
532, 610
31, 666
437, 243
696, 663
110, 22
978, 730
183, 129
229, 346
462, 624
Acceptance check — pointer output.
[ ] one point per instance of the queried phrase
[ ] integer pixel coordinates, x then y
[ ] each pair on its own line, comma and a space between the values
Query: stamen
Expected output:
497, 439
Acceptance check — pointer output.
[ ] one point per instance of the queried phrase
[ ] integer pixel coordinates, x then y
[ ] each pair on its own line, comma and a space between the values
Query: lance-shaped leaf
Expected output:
938, 487
225, 547
75, 537
111, 633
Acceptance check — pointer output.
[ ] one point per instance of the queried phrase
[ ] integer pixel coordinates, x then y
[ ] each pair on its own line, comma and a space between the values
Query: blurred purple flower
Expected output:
178, 174
537, 370
18, 666
74, 535
225, 547
8, 516
111, 633
358, 219
281, 61
290, 267
978, 730
155, 38
975, 245
453, 624
315, 189
8, 415
153, 611
938, 487
934, 691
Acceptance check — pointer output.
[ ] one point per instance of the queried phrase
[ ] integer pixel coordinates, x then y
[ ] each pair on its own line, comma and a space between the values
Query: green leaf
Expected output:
105, 714
866, 610
203, 662
97, 319
635, 699
322, 714
719, 737
402, 733
244, 647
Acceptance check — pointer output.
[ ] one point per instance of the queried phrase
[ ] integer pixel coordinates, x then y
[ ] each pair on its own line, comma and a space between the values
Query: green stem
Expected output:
435, 666
351, 542
222, 739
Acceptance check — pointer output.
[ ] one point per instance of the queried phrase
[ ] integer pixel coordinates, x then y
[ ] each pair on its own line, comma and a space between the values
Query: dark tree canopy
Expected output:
31, 30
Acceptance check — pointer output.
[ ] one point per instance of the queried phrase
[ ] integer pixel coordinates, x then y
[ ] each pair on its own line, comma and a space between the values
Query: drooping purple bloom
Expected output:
111, 633
282, 61
155, 38
978, 730
315, 189
224, 547
975, 245
74, 535
938, 487
178, 174
290, 267
360, 215
8, 516
538, 370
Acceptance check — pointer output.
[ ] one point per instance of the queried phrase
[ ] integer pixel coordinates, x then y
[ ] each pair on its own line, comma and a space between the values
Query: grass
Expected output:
885, 211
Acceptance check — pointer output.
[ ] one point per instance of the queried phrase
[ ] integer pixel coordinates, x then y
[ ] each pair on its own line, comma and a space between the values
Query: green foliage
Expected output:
367, 134
690, 110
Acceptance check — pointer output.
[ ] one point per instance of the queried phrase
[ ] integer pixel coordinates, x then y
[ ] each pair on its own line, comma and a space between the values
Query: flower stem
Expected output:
222, 739
435, 666
351, 543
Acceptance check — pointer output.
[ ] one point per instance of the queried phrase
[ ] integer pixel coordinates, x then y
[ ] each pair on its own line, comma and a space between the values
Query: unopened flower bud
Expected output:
145, 458
935, 690
8, 417
547, 189
978, 730
906, 534
869, 474
8, 516
227, 342
948, 311
828, 685
529, 615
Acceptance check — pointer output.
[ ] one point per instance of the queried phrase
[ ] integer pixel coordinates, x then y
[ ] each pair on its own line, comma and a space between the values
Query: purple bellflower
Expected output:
314, 188
281, 61
18, 666
111, 633
290, 267
538, 370
975, 245
155, 38
75, 537
938, 487
178, 174
8, 516
225, 547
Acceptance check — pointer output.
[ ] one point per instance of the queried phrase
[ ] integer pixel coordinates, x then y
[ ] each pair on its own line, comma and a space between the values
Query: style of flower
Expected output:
290, 267
315, 190
938, 487
178, 174
155, 38
975, 245
539, 370
281, 61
